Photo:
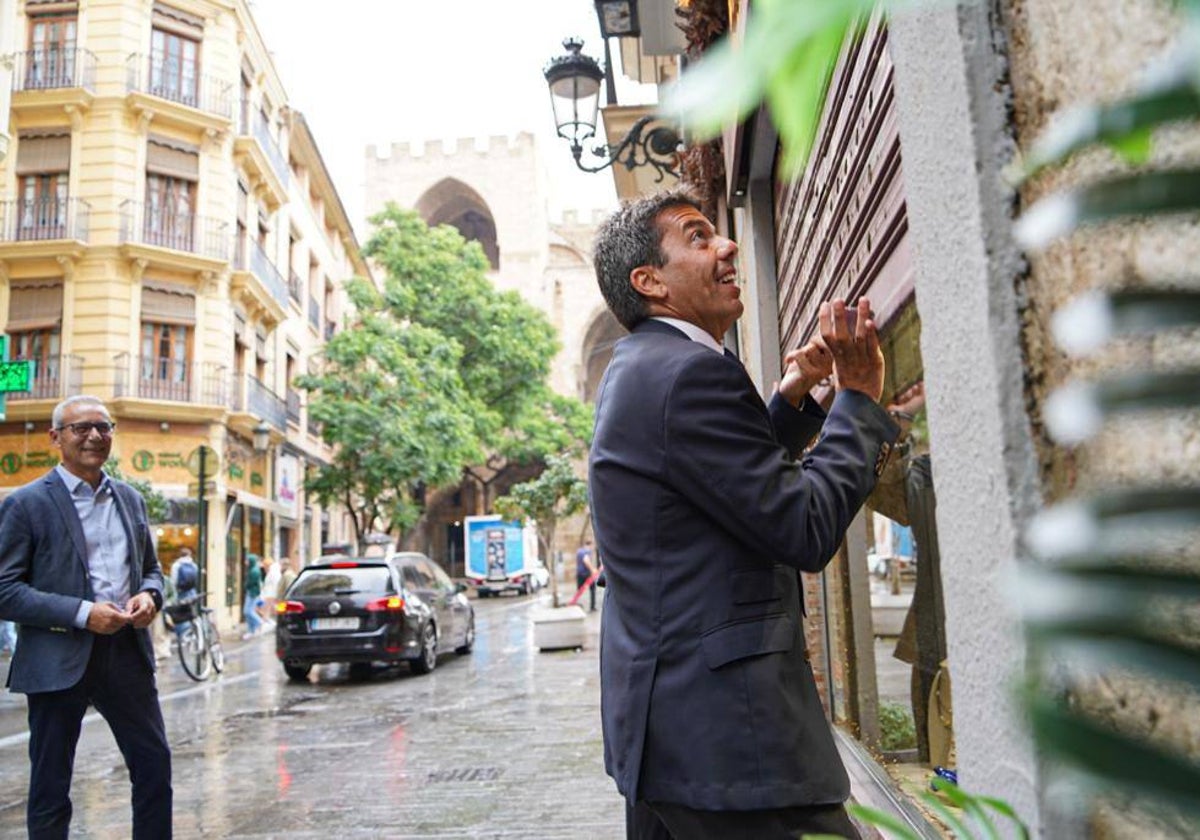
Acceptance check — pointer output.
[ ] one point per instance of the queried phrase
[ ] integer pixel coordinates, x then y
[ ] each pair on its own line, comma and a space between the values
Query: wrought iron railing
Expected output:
46, 69
255, 125
261, 266
44, 218
250, 394
314, 314
54, 378
167, 80
293, 406
202, 235
154, 378
295, 286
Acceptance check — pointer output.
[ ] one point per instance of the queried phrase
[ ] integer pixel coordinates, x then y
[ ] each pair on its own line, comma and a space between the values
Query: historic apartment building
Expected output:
171, 241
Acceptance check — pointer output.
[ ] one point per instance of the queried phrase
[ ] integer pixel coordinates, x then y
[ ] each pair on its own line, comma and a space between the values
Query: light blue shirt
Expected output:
105, 540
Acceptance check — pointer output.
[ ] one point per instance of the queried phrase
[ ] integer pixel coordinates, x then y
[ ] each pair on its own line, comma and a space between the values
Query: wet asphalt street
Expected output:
503, 743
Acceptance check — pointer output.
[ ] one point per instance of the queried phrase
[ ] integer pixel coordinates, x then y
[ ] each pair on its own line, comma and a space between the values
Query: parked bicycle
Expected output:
200, 650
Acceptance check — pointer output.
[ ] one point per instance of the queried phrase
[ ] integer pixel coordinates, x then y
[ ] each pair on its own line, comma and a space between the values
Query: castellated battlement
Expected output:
455, 148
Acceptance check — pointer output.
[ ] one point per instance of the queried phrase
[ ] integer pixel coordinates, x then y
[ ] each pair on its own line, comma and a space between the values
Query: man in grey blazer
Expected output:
712, 723
79, 575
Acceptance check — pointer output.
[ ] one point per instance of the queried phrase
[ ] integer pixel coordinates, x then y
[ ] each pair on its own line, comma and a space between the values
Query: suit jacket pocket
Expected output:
752, 637
753, 586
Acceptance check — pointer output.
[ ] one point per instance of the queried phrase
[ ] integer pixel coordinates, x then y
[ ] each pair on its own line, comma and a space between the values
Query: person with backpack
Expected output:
184, 582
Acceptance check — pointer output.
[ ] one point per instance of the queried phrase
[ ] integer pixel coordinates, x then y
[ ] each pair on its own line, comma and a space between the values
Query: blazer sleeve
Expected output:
20, 601
722, 454
795, 426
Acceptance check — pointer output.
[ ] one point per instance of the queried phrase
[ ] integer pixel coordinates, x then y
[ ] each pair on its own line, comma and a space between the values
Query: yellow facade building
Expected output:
171, 242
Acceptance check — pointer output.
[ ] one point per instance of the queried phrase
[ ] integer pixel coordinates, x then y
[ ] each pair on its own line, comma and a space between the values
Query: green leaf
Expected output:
948, 817
1143, 194
881, 819
1115, 760
967, 803
1004, 809
1134, 147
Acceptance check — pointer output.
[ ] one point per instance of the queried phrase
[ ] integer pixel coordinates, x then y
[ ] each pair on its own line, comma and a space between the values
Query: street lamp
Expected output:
262, 437
574, 82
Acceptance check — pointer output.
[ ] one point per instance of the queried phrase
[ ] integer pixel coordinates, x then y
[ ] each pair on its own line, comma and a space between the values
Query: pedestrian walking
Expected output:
84, 637
286, 577
713, 727
270, 591
585, 570
253, 587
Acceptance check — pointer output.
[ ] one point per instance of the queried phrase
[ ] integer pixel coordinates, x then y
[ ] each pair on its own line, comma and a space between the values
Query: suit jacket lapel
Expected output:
66, 506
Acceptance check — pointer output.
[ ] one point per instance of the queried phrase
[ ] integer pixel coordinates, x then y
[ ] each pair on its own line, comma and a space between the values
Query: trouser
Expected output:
120, 684
668, 821
253, 619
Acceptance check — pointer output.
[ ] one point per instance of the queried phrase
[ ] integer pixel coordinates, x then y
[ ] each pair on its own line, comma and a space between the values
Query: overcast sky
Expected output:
378, 71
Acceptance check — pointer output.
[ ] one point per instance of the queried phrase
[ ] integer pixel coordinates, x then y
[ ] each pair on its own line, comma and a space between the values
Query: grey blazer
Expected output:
703, 518
44, 577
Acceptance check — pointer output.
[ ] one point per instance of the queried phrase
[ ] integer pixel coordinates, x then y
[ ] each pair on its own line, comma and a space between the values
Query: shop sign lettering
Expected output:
236, 471
256, 479
41, 459
170, 459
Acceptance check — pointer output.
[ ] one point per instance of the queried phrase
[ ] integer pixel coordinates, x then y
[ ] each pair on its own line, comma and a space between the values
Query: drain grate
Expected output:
465, 774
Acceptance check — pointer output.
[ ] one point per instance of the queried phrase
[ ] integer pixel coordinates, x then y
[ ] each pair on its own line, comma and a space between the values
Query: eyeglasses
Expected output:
83, 430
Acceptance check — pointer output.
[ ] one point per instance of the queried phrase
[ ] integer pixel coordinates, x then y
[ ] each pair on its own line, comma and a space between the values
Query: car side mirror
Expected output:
460, 587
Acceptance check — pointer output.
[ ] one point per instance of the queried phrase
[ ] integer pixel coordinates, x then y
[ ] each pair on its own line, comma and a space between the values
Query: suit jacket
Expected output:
44, 577
703, 519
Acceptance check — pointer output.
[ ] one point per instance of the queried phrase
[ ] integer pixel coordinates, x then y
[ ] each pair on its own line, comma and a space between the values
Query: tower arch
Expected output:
452, 202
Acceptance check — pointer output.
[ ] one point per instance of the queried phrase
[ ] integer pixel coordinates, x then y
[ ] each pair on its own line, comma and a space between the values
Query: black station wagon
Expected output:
372, 610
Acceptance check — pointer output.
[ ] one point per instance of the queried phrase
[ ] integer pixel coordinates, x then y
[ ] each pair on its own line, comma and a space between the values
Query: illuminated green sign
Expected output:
15, 376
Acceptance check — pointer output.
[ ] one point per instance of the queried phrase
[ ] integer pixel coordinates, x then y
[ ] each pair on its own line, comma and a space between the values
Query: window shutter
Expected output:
166, 304
174, 20
241, 330
39, 154
172, 158
34, 306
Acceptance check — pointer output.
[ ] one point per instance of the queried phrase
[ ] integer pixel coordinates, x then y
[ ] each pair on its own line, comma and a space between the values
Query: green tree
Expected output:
439, 376
156, 503
438, 279
391, 402
552, 496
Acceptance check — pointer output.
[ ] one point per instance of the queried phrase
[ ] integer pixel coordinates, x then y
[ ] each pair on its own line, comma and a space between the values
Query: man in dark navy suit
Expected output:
79, 574
712, 723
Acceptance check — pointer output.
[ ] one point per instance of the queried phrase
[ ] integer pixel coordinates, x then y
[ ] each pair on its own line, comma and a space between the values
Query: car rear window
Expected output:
341, 581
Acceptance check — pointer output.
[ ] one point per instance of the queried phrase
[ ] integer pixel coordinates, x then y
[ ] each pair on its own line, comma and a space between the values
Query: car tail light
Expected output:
282, 607
343, 565
392, 603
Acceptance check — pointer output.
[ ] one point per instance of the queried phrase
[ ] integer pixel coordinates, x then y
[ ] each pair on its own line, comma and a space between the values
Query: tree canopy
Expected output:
437, 373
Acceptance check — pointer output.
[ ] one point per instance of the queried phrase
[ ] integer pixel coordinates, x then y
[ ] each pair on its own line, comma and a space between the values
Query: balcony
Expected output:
170, 380
295, 287
268, 275
293, 407
251, 396
44, 219
255, 151
53, 69
178, 95
147, 229
53, 379
314, 314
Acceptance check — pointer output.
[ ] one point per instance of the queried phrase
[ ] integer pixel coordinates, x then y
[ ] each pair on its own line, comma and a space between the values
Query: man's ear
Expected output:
646, 282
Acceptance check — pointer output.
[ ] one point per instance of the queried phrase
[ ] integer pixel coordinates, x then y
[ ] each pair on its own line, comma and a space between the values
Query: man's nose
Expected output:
726, 248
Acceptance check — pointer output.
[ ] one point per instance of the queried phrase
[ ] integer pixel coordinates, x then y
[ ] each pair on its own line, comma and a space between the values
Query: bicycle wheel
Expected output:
215, 652
192, 653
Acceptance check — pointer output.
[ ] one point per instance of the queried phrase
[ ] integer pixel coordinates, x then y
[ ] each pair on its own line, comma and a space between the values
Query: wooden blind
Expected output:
35, 306
39, 154
166, 304
172, 158
180, 22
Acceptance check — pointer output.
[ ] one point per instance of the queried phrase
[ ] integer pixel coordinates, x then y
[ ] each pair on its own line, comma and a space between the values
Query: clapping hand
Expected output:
857, 358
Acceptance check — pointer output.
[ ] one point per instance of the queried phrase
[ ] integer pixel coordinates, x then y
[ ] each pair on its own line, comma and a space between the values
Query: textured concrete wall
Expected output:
974, 84
955, 140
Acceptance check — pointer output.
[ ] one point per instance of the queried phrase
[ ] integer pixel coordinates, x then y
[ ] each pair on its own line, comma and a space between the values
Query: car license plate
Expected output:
339, 623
